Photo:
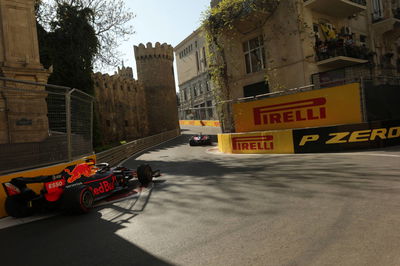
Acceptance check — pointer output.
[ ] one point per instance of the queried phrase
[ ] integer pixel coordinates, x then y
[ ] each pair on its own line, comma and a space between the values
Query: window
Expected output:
377, 10
204, 57
194, 91
363, 39
208, 86
255, 89
184, 95
108, 123
126, 123
197, 61
201, 88
254, 54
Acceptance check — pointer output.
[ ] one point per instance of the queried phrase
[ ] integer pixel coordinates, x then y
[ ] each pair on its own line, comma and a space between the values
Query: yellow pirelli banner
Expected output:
257, 142
201, 123
324, 107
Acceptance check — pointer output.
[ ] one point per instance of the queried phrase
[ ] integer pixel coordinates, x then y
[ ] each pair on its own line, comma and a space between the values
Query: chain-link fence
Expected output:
381, 98
42, 124
198, 113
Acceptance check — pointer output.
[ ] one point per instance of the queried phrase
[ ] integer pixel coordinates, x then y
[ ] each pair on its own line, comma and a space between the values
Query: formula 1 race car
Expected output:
200, 140
74, 191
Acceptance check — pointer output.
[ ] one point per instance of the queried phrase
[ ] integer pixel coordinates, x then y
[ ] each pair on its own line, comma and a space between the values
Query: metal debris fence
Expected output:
42, 124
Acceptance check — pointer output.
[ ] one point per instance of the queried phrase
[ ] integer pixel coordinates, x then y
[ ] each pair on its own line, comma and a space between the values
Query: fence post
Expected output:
91, 123
69, 126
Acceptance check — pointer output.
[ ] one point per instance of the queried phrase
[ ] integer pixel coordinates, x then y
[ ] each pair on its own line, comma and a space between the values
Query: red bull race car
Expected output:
200, 140
75, 189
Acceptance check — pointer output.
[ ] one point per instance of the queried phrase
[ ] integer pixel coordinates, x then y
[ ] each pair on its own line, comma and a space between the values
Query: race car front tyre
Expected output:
192, 143
18, 207
79, 200
144, 174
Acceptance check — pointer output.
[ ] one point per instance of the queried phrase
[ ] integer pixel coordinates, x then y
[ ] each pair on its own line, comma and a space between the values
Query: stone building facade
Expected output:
304, 38
119, 110
129, 109
195, 88
23, 117
305, 42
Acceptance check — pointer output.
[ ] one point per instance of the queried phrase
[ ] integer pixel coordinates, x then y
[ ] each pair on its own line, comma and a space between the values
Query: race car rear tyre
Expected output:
78, 200
18, 207
144, 174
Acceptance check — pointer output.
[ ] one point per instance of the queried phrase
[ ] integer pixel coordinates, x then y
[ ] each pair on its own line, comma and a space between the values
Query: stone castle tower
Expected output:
155, 71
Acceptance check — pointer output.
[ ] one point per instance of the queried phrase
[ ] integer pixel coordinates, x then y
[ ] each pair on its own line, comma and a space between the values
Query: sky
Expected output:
169, 21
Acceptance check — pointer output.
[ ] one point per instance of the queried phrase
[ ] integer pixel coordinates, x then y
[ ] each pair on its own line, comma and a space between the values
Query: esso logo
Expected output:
56, 184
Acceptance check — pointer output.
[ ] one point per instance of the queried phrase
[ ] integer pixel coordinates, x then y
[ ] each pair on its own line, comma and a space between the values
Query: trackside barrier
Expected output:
118, 154
257, 142
201, 123
50, 170
340, 138
337, 138
324, 107
112, 156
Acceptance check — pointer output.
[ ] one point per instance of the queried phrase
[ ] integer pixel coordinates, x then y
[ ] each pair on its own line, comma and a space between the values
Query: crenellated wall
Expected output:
128, 109
119, 107
156, 73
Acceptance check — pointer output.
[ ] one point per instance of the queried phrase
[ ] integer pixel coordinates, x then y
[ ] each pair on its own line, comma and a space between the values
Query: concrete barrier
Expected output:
338, 138
116, 155
257, 142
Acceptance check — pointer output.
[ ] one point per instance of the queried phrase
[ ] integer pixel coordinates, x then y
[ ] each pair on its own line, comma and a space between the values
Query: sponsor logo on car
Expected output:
253, 143
79, 171
104, 187
310, 109
55, 184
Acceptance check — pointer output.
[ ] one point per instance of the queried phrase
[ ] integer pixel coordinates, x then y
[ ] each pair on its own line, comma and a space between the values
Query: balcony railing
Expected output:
337, 8
341, 53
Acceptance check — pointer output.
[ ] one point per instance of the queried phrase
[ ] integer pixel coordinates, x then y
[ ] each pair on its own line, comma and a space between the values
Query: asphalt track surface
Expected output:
215, 209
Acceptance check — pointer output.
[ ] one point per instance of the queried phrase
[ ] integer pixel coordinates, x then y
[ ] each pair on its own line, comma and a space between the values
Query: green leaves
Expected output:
70, 47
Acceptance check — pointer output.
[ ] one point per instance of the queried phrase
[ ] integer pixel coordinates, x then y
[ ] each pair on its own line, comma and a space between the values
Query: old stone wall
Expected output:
128, 109
23, 116
119, 107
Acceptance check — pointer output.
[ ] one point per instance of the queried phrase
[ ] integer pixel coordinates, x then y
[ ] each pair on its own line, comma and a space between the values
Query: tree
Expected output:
109, 20
70, 47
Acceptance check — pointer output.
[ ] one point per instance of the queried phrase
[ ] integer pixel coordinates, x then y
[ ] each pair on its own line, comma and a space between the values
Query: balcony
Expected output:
385, 21
340, 53
336, 8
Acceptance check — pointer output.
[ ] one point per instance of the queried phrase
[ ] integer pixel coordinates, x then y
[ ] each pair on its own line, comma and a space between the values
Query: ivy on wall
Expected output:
219, 25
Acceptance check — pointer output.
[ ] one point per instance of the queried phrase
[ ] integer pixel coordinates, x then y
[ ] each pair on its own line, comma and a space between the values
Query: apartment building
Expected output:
312, 41
195, 92
300, 42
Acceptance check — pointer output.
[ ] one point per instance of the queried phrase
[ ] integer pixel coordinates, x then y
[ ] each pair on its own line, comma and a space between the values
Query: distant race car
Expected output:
200, 140
74, 190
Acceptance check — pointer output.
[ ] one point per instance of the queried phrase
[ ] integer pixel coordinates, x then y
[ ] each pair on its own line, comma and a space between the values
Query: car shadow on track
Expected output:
89, 239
